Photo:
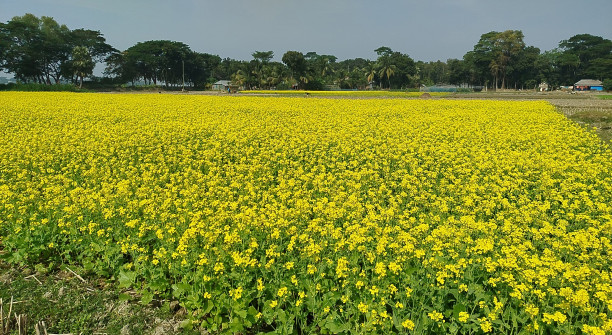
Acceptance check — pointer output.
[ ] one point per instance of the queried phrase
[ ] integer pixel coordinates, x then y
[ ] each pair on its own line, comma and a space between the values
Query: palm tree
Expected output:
370, 72
326, 66
304, 80
239, 78
387, 70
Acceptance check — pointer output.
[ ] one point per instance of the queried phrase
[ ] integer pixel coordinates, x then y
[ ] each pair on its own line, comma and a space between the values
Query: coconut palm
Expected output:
387, 70
239, 78
370, 72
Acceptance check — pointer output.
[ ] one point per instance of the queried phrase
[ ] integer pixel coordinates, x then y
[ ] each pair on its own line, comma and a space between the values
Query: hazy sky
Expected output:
425, 30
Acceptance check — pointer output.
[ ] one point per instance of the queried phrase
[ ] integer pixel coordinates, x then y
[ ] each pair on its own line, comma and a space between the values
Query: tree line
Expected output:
43, 51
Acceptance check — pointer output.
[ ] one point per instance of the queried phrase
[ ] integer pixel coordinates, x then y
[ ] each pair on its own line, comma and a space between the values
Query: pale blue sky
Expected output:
426, 30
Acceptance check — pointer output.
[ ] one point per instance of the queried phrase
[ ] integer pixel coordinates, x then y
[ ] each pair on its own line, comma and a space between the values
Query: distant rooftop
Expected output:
588, 82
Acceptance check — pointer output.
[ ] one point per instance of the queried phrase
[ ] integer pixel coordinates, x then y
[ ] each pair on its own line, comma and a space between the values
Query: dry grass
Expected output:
591, 113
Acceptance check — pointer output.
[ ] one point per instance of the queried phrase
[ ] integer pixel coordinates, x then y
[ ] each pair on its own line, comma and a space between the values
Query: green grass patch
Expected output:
605, 97
66, 304
598, 120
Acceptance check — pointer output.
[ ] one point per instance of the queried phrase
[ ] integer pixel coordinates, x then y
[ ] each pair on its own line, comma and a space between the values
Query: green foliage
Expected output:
43, 51
393, 69
263, 56
40, 49
607, 84
82, 63
585, 55
296, 63
34, 87
495, 56
68, 305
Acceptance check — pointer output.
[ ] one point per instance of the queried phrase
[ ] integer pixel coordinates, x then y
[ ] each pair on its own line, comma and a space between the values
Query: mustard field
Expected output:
312, 215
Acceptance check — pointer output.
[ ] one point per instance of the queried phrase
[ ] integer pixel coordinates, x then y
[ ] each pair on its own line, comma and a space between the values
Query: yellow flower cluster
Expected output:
370, 214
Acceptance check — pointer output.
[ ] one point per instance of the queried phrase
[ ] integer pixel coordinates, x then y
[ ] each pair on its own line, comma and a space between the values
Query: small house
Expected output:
221, 85
543, 87
588, 85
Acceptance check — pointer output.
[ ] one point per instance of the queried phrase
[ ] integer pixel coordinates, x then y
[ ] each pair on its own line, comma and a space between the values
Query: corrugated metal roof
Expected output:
223, 82
588, 82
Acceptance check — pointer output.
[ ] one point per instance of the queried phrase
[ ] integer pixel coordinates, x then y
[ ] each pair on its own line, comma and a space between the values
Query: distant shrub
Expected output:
607, 84
314, 85
283, 86
34, 87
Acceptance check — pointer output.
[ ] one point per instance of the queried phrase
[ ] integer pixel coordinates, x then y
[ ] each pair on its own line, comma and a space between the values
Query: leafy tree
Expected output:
398, 68
579, 51
607, 84
404, 72
82, 63
383, 51
547, 66
227, 67
600, 68
430, 73
480, 58
352, 64
458, 72
36, 48
259, 66
507, 44
296, 63
494, 56
156, 61
41, 50
263, 56
200, 68
94, 41
523, 69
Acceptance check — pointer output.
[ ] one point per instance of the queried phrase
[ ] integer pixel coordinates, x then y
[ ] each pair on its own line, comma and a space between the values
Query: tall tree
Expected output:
155, 61
370, 72
458, 72
579, 51
263, 56
259, 65
523, 73
36, 48
40, 49
296, 63
397, 67
508, 44
82, 63
386, 69
494, 55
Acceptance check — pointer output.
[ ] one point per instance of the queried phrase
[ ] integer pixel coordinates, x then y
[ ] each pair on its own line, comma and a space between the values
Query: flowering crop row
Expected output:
318, 215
